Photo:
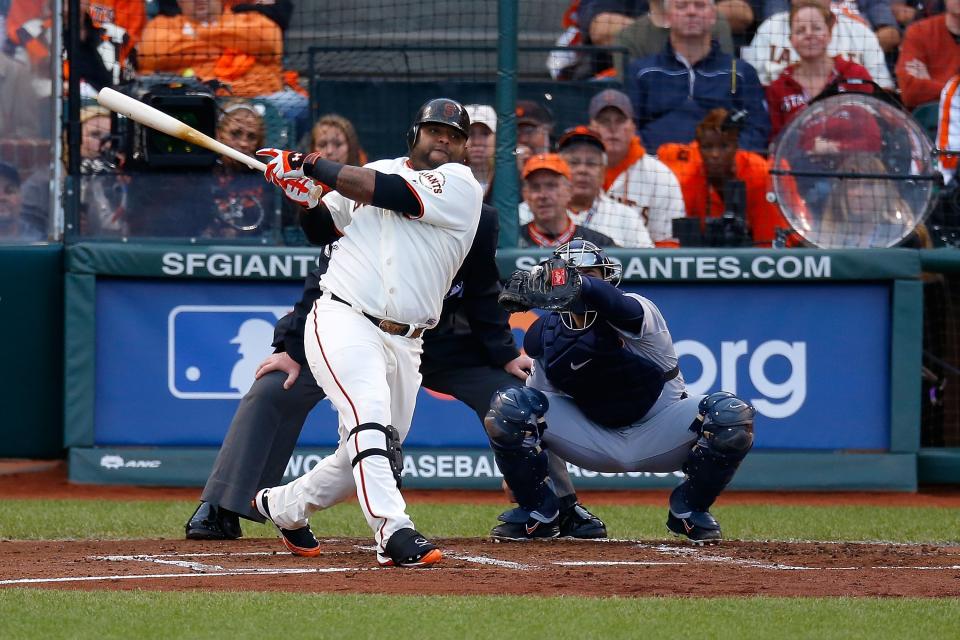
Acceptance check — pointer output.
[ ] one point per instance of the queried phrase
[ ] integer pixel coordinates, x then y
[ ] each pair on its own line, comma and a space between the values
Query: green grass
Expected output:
26, 613
75, 519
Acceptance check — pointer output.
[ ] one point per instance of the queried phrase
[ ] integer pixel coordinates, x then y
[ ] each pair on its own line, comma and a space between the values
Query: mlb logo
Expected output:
558, 277
213, 351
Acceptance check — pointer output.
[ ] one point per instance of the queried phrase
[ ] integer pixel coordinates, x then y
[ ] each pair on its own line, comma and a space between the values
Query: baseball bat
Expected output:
156, 119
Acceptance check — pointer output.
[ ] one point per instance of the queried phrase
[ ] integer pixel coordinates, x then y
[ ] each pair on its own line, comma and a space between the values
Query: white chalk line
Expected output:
151, 576
506, 564
693, 555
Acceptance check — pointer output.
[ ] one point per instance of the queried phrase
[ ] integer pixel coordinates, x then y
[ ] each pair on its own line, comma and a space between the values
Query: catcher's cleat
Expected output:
530, 529
577, 522
699, 527
408, 548
300, 541
212, 522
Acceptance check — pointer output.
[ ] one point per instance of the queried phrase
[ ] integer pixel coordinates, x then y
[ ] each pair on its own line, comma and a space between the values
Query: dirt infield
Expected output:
478, 567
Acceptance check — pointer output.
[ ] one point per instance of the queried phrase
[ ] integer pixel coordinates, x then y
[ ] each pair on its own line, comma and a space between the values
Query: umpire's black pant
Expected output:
265, 428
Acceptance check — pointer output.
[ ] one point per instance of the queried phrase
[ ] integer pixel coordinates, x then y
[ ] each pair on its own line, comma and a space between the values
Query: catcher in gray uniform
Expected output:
606, 394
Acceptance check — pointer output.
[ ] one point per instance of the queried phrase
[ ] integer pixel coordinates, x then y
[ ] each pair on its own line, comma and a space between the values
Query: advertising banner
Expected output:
173, 358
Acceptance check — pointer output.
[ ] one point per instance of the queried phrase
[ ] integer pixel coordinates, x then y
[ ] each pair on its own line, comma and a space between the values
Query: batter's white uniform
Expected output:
392, 267
652, 187
771, 51
623, 224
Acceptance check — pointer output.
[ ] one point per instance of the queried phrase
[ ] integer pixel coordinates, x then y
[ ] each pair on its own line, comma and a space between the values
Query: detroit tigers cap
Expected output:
610, 98
482, 114
531, 112
549, 162
579, 134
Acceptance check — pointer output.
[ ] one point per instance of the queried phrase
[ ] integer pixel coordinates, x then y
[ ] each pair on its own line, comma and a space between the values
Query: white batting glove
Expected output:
282, 165
303, 191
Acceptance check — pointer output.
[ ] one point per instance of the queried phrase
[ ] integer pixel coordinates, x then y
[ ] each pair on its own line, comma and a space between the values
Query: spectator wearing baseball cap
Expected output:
481, 145
547, 192
534, 126
589, 206
13, 226
673, 90
633, 176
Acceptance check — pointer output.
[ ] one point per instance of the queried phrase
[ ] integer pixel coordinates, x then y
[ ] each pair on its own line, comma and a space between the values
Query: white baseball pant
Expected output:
369, 376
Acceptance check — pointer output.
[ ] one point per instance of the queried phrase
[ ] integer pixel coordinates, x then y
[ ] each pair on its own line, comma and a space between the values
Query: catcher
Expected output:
606, 394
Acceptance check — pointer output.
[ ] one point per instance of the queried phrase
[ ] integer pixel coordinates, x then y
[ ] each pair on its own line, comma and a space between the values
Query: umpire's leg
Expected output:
474, 386
261, 439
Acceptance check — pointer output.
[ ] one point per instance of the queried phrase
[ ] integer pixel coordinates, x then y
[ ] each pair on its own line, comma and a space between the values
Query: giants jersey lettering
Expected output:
395, 267
771, 51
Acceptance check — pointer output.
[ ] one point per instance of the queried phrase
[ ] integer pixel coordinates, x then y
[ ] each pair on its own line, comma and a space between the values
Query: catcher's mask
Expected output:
583, 254
443, 111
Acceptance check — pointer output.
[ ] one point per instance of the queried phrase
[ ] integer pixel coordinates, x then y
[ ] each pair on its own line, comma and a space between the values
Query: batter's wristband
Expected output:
326, 171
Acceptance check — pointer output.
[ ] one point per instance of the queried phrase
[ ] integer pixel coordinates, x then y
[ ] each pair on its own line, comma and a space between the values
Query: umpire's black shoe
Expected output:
408, 548
211, 522
699, 527
577, 522
300, 541
531, 529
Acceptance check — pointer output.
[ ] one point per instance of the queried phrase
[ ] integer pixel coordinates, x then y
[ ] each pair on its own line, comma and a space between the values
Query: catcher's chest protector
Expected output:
613, 386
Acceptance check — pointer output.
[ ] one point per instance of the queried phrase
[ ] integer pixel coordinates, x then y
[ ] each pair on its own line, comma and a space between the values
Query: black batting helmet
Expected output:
441, 110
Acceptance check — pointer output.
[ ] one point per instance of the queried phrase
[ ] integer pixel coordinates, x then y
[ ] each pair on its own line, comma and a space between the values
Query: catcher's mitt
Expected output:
552, 285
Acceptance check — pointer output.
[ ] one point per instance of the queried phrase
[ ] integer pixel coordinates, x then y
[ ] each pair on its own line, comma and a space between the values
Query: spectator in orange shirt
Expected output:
709, 168
929, 56
241, 50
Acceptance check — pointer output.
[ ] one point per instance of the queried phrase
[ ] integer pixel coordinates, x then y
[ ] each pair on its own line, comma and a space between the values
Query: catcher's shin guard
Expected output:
513, 424
726, 436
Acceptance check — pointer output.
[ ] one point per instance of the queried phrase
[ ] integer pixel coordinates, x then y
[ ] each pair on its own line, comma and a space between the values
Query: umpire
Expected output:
470, 355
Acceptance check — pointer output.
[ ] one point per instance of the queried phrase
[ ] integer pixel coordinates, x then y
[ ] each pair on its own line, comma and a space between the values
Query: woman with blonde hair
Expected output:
864, 212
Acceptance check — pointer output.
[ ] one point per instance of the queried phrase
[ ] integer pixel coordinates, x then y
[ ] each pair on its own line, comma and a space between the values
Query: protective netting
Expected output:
703, 92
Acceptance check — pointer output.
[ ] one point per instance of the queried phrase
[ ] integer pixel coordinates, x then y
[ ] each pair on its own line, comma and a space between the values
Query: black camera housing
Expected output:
727, 230
187, 100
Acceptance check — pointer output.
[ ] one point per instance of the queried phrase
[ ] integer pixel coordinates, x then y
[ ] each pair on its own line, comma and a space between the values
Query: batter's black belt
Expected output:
387, 326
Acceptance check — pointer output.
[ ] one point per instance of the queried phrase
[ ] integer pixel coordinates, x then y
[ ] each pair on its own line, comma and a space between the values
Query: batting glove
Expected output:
303, 191
282, 165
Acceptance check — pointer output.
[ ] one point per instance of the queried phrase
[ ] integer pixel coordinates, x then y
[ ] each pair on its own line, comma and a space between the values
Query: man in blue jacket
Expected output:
673, 90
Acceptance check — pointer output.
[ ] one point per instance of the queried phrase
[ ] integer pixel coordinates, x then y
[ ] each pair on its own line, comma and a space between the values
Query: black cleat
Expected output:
211, 522
408, 548
699, 527
577, 522
531, 529
300, 542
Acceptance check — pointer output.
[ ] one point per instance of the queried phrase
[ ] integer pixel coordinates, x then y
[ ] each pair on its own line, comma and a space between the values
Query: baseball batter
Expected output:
407, 226
606, 394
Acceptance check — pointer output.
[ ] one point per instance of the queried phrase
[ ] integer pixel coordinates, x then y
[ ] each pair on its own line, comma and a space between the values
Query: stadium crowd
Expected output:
676, 146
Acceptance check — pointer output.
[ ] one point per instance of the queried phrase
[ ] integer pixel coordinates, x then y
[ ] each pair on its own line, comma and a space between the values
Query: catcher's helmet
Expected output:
441, 110
582, 254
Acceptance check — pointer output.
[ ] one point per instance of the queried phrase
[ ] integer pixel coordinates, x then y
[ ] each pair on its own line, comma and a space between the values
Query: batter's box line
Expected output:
483, 560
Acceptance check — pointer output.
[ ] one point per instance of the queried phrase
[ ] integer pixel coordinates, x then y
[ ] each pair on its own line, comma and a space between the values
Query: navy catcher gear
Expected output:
442, 111
726, 436
583, 254
514, 425
515, 419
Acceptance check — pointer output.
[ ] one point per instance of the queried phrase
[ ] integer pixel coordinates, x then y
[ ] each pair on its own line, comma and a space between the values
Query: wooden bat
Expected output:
156, 119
